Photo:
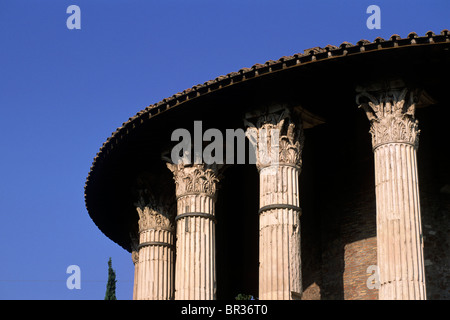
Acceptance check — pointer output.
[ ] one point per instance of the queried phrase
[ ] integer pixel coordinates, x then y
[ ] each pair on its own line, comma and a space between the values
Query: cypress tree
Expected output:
111, 284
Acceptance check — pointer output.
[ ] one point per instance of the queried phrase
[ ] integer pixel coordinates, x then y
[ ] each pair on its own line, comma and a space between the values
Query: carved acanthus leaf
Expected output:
152, 219
391, 113
195, 178
277, 139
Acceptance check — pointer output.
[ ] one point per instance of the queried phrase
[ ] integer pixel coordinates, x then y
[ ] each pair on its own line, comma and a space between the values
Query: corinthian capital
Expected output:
277, 137
391, 114
152, 219
195, 178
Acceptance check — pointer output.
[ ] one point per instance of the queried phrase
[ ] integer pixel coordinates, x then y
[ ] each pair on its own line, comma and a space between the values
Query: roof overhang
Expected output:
320, 84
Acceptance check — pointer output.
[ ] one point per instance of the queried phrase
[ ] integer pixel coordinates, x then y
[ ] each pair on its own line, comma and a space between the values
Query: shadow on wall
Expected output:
434, 177
237, 232
339, 217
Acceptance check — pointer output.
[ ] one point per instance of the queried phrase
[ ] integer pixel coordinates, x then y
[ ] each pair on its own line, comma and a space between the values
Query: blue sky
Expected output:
63, 92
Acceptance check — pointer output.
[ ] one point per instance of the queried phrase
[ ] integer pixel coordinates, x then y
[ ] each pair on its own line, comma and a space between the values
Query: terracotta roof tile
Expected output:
257, 66
286, 58
345, 44
331, 47
313, 50
363, 42
245, 70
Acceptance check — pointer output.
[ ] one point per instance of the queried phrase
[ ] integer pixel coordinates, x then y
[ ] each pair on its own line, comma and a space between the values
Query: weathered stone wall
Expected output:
434, 179
343, 203
436, 236
358, 232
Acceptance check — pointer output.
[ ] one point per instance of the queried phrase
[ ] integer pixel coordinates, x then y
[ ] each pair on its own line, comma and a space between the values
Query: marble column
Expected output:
135, 258
395, 138
195, 270
154, 258
278, 139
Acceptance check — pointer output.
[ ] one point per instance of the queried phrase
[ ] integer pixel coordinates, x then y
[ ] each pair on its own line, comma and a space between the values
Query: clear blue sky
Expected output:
62, 93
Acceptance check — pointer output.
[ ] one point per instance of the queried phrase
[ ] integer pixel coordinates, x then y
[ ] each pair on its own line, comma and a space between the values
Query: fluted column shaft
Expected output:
155, 265
196, 248
279, 269
154, 269
195, 268
395, 137
278, 139
400, 254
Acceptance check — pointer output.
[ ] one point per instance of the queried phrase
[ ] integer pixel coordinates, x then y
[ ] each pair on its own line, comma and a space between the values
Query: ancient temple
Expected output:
354, 207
